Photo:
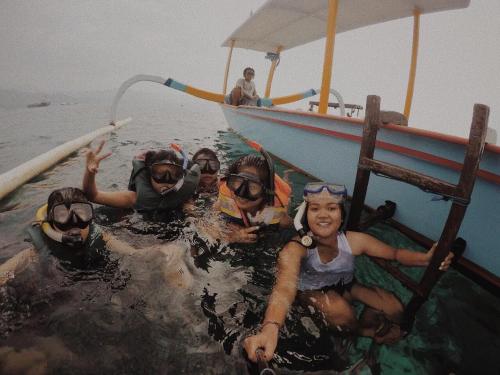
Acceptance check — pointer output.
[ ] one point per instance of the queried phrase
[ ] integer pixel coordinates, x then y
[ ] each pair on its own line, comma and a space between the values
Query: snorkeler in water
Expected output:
76, 277
64, 227
160, 180
317, 269
209, 165
252, 197
61, 225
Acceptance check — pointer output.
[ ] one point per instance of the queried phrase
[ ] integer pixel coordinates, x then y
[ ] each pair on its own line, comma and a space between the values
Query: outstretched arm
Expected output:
281, 299
116, 245
362, 243
119, 199
16, 265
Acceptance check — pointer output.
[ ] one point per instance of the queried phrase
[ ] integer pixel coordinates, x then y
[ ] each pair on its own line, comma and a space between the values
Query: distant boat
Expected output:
41, 104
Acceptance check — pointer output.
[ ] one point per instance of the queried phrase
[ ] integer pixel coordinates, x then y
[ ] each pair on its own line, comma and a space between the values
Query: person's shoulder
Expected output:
295, 248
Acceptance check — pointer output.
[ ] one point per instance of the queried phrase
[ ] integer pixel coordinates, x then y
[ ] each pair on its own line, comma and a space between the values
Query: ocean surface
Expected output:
135, 314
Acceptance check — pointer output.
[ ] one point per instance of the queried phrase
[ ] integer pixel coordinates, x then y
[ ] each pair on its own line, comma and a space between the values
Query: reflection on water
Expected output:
180, 303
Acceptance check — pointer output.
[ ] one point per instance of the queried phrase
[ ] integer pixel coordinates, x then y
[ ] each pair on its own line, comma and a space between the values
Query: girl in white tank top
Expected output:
318, 270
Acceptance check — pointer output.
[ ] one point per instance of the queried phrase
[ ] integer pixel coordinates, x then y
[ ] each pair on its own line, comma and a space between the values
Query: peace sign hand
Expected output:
93, 157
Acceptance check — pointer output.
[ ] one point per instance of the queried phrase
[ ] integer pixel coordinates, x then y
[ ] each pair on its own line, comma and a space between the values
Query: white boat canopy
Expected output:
284, 24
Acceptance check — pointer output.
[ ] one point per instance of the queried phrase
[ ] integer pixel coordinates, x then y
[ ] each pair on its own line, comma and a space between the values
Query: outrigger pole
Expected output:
413, 66
11, 180
203, 94
328, 57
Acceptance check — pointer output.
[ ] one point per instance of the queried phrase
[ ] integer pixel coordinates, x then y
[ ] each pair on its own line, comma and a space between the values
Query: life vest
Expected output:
37, 237
270, 215
92, 255
148, 199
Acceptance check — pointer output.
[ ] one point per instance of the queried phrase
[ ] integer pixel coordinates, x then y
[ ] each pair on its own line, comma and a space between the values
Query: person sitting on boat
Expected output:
159, 181
317, 267
64, 227
244, 93
252, 197
209, 165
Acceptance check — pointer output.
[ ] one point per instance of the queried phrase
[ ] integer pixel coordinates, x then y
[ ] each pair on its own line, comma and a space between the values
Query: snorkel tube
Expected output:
71, 240
305, 239
270, 165
179, 183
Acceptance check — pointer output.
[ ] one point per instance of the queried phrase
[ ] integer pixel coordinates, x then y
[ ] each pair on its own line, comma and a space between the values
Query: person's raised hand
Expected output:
94, 158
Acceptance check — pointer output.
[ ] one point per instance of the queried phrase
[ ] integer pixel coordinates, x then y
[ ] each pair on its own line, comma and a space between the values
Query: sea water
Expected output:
186, 309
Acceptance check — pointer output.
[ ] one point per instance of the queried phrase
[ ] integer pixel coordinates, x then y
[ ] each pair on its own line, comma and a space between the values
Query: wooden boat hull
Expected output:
327, 147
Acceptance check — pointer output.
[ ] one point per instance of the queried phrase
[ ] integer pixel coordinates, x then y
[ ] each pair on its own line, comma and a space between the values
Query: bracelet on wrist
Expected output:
273, 322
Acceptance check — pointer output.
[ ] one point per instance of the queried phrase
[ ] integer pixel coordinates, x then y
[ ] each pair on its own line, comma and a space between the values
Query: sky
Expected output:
71, 46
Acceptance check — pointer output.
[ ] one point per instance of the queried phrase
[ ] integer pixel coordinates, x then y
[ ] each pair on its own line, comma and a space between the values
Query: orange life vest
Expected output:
272, 214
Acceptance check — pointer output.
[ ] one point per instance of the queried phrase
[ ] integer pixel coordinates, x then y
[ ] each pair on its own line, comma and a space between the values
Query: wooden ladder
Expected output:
459, 194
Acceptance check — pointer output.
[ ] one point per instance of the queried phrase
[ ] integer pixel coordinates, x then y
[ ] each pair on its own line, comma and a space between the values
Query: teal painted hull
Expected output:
328, 148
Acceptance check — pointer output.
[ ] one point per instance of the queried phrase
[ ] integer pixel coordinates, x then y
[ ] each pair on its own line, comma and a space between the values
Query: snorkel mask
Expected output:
270, 166
69, 216
320, 190
208, 166
168, 172
245, 185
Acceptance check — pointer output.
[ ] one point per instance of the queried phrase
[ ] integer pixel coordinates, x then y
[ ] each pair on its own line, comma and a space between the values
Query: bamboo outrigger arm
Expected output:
15, 178
207, 95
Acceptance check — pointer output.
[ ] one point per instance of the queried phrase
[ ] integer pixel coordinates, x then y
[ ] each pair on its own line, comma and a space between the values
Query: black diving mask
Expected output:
76, 215
166, 172
246, 186
208, 166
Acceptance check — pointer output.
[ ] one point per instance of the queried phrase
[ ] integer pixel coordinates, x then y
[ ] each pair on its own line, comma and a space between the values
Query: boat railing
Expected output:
352, 107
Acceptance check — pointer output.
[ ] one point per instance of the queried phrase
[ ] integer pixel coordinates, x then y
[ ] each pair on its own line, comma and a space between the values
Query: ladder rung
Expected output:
427, 183
399, 275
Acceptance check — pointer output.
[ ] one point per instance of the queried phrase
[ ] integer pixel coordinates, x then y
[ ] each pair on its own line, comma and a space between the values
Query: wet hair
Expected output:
205, 151
153, 156
251, 160
247, 69
65, 195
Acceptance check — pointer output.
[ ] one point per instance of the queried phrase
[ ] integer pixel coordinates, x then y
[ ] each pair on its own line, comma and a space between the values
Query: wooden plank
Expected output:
465, 186
420, 180
372, 122
399, 275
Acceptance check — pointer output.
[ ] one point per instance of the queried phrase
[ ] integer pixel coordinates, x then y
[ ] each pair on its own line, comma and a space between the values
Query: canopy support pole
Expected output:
328, 58
228, 63
271, 74
413, 66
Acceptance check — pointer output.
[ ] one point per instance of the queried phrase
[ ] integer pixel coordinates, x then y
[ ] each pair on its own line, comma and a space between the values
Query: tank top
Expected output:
314, 274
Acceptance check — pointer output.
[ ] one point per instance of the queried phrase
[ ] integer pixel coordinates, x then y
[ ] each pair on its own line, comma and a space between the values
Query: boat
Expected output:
37, 105
306, 139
